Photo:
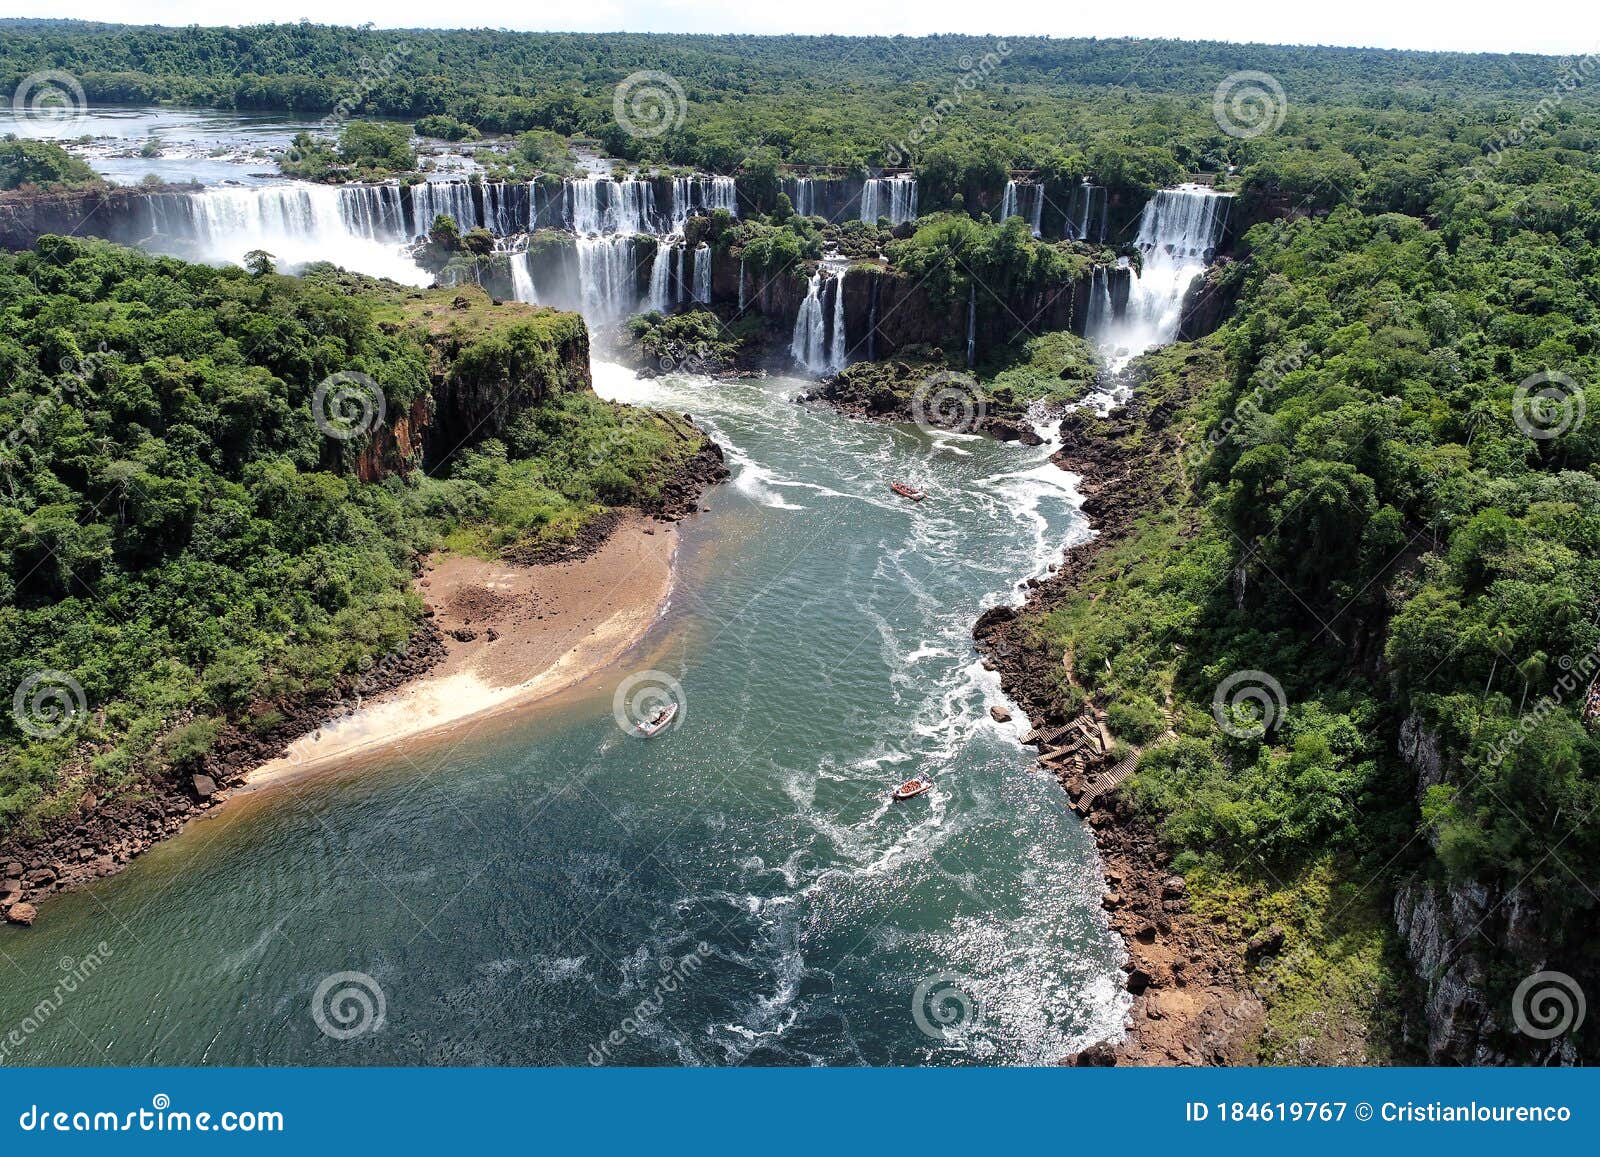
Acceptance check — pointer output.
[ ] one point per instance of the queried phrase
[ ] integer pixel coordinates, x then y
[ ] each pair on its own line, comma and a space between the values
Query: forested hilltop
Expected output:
962, 111
1346, 605
216, 484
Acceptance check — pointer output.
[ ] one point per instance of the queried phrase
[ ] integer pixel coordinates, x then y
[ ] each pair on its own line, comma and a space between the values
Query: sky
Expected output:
1556, 27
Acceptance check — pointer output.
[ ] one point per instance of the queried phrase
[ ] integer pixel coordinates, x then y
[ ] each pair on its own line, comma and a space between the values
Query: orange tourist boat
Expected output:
910, 492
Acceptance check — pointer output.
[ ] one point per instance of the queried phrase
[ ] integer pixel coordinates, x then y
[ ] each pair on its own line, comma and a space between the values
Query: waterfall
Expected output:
376, 212
367, 228
510, 208
1100, 311
583, 214
636, 206
972, 324
702, 273
1011, 205
495, 217
871, 200
724, 194
704, 193
816, 345
451, 198
606, 277
1086, 213
804, 197
522, 277
296, 223
741, 285
601, 205
663, 286
839, 352
1178, 235
891, 197
809, 337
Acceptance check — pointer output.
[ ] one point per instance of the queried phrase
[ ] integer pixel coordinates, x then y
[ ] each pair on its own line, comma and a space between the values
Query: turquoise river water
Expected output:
550, 890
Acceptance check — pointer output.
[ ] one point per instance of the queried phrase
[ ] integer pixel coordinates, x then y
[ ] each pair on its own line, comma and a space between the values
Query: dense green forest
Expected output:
41, 165
1385, 529
181, 533
1373, 126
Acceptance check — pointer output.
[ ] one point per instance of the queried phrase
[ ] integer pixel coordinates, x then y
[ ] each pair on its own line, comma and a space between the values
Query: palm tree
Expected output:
1499, 639
1532, 670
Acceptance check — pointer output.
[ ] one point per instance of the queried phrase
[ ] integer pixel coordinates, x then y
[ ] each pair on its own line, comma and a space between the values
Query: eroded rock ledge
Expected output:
1193, 999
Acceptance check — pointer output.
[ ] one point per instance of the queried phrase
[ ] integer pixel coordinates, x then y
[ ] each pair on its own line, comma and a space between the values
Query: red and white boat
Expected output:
906, 491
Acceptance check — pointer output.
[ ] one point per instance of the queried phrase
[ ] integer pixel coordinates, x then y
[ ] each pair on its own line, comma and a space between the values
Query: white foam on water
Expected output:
940, 698
560, 969
755, 481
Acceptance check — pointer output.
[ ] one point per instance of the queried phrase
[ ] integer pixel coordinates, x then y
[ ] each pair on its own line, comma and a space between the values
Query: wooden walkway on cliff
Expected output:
1067, 749
1110, 781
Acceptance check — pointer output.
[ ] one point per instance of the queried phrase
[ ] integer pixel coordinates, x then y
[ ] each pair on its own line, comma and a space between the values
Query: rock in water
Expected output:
24, 914
1095, 1056
1000, 714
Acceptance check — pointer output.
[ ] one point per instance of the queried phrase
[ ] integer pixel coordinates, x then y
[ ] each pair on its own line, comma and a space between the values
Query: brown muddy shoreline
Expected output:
1193, 1001
99, 839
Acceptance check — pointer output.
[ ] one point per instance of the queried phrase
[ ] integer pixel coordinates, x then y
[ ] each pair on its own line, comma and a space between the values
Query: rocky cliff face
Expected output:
478, 392
111, 212
887, 313
478, 388
1472, 944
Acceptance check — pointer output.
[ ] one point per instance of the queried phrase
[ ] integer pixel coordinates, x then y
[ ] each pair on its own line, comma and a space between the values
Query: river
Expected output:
520, 895
551, 890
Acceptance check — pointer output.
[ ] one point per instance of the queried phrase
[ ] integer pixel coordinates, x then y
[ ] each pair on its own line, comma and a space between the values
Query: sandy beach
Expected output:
514, 634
